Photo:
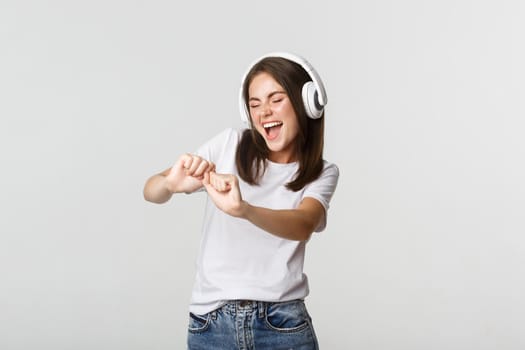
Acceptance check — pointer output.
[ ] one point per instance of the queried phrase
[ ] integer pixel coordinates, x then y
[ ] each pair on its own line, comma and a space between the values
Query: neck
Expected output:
281, 158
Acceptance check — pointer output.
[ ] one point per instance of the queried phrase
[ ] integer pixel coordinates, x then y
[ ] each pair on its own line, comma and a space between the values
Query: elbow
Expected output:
147, 196
155, 191
150, 197
305, 237
305, 232
307, 229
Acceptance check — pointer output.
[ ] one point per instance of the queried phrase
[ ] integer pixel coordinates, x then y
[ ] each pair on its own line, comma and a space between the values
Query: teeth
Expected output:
271, 125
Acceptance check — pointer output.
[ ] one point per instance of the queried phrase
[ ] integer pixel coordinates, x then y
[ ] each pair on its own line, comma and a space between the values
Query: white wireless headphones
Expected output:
314, 94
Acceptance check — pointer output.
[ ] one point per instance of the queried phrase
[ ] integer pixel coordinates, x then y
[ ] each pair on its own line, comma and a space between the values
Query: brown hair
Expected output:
252, 150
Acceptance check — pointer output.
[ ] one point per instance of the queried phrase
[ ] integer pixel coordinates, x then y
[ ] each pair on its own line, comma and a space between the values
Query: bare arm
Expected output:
294, 224
184, 177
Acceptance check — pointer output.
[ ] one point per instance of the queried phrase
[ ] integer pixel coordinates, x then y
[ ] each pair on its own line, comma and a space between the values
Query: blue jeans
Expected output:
253, 325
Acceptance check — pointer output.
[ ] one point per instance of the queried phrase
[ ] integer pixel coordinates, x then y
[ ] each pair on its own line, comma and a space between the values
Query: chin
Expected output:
276, 148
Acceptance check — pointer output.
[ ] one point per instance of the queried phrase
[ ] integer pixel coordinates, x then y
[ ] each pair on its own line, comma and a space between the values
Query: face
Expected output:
273, 117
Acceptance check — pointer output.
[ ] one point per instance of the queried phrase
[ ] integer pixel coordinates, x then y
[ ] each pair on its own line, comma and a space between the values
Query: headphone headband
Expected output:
314, 93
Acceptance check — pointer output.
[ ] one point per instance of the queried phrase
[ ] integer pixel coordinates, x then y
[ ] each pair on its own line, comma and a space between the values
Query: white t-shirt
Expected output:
239, 260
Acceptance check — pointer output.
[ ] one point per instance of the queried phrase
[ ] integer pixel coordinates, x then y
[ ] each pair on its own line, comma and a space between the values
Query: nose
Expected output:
265, 110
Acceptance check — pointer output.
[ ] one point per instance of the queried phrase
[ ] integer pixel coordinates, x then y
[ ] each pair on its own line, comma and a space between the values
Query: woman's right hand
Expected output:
187, 173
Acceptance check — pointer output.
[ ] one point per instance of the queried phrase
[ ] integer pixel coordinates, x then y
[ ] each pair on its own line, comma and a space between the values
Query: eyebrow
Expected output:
270, 95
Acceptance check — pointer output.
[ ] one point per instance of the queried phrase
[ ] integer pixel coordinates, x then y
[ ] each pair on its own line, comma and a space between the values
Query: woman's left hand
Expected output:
225, 193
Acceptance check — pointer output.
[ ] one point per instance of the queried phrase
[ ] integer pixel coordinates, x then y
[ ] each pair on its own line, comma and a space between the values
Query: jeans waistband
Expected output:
245, 306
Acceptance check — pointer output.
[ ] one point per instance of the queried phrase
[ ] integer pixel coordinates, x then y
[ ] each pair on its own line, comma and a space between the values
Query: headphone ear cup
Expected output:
311, 101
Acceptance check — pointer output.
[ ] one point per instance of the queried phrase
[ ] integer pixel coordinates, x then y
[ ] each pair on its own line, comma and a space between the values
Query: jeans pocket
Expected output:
287, 317
198, 323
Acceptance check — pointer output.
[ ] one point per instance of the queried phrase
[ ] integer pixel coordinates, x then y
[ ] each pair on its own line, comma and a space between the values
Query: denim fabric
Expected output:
252, 325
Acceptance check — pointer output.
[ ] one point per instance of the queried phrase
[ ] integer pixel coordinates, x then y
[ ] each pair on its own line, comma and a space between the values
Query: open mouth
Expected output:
272, 129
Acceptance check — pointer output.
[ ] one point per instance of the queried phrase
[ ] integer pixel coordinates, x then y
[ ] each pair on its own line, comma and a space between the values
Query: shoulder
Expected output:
221, 145
230, 135
330, 170
225, 137
324, 186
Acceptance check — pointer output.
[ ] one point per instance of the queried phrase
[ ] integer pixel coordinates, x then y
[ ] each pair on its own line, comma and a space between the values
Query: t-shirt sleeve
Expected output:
323, 189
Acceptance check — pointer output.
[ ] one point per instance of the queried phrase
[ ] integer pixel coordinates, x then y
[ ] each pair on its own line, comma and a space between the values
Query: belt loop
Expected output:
262, 309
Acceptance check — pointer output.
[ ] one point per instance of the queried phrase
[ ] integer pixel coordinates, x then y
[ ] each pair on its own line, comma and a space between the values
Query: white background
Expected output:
425, 245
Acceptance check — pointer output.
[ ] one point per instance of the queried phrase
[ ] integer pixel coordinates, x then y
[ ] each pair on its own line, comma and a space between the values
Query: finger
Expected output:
211, 167
185, 160
206, 179
195, 162
215, 181
222, 185
201, 169
220, 182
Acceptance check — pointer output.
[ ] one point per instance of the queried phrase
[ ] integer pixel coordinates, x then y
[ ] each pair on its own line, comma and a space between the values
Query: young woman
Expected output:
268, 190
